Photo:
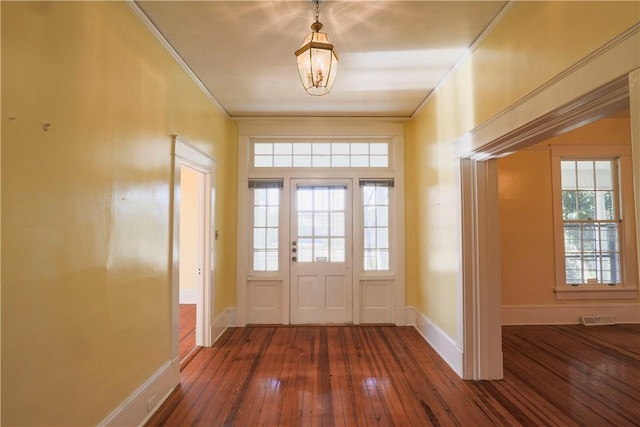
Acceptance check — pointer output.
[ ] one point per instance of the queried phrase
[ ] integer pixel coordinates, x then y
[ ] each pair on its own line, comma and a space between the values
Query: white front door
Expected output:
320, 252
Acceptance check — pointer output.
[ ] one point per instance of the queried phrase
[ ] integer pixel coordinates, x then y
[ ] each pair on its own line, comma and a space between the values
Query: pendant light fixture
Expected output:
317, 60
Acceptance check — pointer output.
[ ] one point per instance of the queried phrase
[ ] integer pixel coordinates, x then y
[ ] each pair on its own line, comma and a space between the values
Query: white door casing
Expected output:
321, 252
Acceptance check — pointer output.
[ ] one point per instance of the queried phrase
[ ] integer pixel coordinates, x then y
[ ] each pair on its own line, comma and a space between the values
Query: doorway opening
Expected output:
193, 251
192, 195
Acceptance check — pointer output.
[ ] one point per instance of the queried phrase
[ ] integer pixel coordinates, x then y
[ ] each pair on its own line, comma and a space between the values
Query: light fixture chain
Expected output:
317, 10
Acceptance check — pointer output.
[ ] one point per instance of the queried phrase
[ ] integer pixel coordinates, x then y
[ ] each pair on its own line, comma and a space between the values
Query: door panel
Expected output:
320, 253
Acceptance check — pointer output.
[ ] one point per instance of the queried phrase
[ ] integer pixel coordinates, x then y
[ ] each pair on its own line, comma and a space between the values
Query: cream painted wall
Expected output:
86, 310
526, 216
533, 42
189, 210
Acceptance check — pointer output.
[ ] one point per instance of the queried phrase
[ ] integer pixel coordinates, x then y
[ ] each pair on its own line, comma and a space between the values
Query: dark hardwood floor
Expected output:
187, 333
381, 375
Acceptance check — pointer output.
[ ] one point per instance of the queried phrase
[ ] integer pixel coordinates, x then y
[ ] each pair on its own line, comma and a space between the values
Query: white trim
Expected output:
442, 343
175, 55
188, 296
226, 319
136, 409
599, 80
568, 314
634, 107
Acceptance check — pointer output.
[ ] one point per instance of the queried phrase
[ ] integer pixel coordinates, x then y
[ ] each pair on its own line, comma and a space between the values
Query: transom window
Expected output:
321, 154
591, 221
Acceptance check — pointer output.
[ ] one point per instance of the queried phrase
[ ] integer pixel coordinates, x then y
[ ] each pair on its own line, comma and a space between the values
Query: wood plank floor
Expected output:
381, 375
187, 333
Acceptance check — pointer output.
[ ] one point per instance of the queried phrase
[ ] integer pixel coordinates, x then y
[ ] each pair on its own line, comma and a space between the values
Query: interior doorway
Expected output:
193, 255
192, 195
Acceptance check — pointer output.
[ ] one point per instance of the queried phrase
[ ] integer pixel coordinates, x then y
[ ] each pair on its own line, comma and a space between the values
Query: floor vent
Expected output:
597, 320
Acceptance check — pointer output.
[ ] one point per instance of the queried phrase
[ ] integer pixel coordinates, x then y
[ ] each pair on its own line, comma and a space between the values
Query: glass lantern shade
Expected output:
317, 63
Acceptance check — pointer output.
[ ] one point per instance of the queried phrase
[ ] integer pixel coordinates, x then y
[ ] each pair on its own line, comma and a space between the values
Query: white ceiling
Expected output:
392, 53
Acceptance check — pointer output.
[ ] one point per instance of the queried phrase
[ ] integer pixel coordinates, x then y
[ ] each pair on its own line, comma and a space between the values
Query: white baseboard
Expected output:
188, 296
142, 403
568, 314
223, 321
442, 343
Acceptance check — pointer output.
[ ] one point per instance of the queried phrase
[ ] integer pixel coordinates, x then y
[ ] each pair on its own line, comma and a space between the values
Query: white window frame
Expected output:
628, 286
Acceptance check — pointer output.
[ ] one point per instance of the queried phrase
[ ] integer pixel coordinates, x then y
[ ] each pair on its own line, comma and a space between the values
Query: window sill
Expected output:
586, 292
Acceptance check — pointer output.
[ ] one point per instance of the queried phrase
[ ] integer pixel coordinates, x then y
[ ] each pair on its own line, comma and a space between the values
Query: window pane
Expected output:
273, 197
282, 161
260, 196
379, 161
339, 148
382, 259
339, 161
337, 224
321, 199
337, 199
282, 148
305, 224
369, 216
305, 199
370, 259
259, 261
370, 238
369, 195
337, 250
382, 195
382, 238
379, 148
585, 175
272, 260
321, 250
321, 161
302, 148
360, 161
272, 238
259, 238
260, 216
360, 148
272, 216
321, 224
301, 161
305, 250
586, 205
604, 175
263, 161
568, 175
262, 148
321, 148
382, 216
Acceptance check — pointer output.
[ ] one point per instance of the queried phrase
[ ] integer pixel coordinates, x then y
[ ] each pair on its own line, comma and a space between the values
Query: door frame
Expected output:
184, 153
350, 204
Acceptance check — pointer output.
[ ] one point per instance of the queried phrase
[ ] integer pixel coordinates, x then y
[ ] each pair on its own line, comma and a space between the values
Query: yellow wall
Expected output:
532, 43
526, 212
188, 228
86, 278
